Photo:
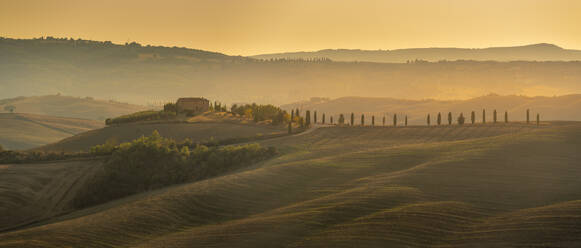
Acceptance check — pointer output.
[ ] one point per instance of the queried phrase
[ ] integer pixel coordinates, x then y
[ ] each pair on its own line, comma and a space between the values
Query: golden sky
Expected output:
248, 27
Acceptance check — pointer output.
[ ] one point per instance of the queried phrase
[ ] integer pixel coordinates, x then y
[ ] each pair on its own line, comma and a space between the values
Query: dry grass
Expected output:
344, 187
197, 132
24, 131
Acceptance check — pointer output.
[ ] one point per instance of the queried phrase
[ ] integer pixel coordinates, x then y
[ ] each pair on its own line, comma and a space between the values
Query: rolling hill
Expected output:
142, 74
202, 128
534, 52
470, 186
69, 106
567, 107
25, 131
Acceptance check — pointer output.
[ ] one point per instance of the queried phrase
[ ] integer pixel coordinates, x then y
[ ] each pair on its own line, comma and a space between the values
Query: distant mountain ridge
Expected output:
141, 75
534, 52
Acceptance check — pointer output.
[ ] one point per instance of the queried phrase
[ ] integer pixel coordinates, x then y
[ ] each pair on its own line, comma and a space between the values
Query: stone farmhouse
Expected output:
192, 105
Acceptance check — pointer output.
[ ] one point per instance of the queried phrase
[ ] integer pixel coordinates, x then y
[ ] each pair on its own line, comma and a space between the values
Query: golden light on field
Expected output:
263, 26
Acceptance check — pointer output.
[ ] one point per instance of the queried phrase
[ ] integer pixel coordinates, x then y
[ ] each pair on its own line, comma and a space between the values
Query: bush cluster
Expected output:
262, 113
153, 162
17, 157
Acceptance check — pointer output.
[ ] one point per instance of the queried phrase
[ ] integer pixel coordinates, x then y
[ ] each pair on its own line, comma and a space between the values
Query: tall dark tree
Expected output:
538, 119
292, 116
461, 119
290, 128
362, 120
315, 117
528, 116
494, 116
383, 120
428, 120
373, 120
395, 120
406, 121
331, 119
341, 119
323, 118
484, 116
449, 118
352, 119
505, 116
473, 117
439, 120
308, 118
297, 113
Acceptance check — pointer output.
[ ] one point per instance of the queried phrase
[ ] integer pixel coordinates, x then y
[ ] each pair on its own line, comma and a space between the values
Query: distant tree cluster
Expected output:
296, 60
262, 113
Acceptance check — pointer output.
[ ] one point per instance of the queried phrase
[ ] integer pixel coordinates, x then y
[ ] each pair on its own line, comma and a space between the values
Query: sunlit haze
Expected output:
264, 26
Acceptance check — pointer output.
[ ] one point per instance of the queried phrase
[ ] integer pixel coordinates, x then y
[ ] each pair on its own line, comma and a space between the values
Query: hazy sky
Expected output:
246, 27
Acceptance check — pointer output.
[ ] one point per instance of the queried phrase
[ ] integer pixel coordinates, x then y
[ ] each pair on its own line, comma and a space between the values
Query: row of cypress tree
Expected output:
306, 121
461, 119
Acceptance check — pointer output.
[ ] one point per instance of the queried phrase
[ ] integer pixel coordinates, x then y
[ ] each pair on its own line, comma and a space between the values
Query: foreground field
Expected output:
24, 131
481, 186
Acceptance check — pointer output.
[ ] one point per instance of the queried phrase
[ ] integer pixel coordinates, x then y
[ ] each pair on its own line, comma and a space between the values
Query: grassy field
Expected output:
69, 106
24, 131
196, 131
472, 186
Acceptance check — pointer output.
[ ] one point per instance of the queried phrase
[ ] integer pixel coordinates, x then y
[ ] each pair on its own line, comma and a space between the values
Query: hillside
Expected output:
535, 52
69, 106
25, 131
484, 185
203, 128
144, 74
567, 107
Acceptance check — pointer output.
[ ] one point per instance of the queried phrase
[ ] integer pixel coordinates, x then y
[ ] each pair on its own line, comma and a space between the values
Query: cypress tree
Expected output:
297, 113
439, 121
290, 128
352, 118
406, 120
395, 120
292, 116
449, 118
362, 120
494, 116
341, 119
505, 116
383, 120
315, 117
538, 119
461, 119
528, 116
373, 120
331, 119
473, 117
308, 118
428, 120
483, 116
323, 118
